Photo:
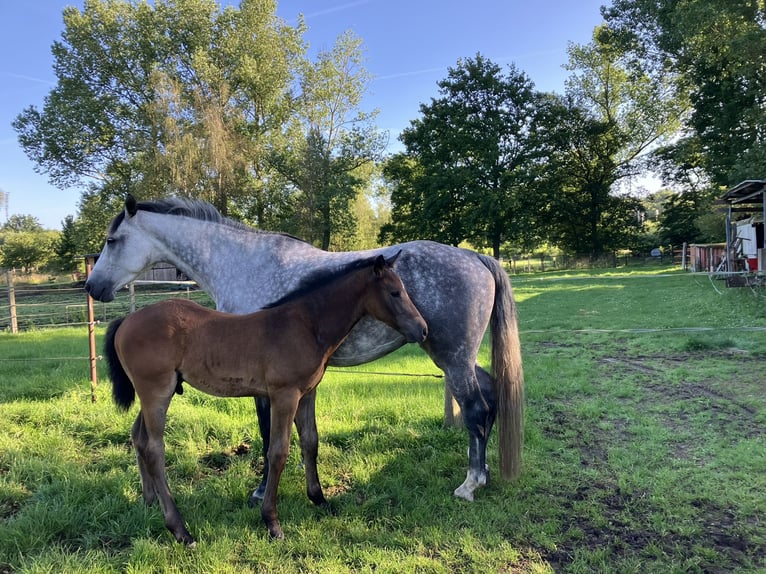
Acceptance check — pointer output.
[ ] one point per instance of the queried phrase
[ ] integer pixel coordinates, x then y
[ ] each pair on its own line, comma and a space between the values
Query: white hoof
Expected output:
464, 492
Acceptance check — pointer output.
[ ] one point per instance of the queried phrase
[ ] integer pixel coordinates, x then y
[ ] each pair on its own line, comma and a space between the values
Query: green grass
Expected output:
644, 452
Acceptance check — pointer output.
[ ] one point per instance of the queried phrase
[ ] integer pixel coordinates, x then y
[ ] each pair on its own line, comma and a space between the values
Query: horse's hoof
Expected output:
257, 496
187, 540
464, 493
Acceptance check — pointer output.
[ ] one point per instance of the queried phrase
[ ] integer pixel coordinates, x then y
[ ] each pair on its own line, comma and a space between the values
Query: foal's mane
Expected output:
322, 277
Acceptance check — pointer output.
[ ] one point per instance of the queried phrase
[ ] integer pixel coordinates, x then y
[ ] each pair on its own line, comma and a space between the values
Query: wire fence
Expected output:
26, 307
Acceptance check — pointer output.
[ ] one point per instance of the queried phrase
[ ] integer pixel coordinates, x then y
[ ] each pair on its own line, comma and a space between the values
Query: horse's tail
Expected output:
123, 392
507, 372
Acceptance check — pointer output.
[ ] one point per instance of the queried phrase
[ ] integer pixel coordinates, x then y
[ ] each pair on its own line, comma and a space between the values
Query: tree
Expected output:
24, 244
22, 223
686, 218
26, 250
183, 97
465, 165
67, 253
327, 141
592, 138
162, 98
714, 52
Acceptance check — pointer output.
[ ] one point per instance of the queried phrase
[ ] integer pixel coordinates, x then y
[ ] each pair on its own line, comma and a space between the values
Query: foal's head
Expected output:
389, 302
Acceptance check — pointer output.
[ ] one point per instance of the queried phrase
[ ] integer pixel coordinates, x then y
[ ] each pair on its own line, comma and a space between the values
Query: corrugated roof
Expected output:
748, 191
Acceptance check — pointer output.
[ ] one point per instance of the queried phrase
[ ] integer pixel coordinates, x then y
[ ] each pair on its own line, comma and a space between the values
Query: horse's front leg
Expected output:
306, 422
263, 412
283, 410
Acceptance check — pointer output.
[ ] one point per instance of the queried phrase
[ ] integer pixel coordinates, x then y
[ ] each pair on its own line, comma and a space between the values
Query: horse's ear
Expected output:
130, 205
393, 259
380, 265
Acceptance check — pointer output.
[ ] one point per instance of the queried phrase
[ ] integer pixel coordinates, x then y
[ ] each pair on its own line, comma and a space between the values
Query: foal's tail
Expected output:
123, 392
507, 372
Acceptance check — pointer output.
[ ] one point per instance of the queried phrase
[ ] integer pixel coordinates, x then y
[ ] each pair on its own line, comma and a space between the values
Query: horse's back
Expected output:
151, 339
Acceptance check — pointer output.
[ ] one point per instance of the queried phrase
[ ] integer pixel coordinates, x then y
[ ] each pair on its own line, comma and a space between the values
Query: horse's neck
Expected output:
336, 308
231, 264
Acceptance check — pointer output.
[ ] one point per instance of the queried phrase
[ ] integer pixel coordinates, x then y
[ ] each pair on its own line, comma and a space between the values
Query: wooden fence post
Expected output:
12, 301
91, 335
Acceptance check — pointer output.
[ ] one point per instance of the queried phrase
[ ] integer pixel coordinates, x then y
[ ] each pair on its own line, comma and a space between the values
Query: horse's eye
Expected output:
396, 294
111, 241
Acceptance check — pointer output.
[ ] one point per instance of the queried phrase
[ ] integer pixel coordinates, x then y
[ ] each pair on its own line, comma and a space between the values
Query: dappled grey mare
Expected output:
459, 293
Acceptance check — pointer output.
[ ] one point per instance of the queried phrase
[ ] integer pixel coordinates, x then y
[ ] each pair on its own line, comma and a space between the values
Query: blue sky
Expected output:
408, 44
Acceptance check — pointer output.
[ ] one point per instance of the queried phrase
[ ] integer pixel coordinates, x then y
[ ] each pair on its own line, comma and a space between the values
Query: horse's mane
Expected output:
322, 277
192, 208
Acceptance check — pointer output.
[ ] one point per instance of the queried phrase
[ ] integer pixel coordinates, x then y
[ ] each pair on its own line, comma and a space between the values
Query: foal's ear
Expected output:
380, 265
130, 205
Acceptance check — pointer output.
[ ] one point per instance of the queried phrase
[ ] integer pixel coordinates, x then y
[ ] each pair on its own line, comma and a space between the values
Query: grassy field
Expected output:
645, 452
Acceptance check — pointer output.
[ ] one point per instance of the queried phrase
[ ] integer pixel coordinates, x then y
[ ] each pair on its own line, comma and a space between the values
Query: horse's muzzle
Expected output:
417, 335
99, 293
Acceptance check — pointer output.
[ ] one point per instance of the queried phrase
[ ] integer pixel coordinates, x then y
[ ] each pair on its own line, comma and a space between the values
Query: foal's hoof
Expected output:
275, 533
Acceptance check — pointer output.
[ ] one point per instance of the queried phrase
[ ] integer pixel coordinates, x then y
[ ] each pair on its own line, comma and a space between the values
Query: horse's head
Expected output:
127, 252
390, 302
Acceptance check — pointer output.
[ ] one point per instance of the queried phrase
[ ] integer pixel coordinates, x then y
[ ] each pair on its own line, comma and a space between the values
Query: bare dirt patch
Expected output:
722, 409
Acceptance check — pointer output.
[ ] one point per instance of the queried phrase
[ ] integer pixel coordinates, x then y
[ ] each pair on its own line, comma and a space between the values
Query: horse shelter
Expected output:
745, 248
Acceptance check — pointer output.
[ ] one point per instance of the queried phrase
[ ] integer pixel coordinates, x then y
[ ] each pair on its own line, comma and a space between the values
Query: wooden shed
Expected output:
158, 272
706, 257
745, 248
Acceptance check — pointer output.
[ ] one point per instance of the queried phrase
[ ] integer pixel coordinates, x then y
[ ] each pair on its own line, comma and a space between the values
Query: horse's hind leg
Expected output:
305, 420
263, 412
150, 450
479, 411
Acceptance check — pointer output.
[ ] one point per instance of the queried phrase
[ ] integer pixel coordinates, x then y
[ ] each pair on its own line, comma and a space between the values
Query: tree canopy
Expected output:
713, 53
185, 97
463, 172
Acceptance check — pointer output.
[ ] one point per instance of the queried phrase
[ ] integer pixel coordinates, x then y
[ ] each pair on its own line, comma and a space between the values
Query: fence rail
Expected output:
25, 307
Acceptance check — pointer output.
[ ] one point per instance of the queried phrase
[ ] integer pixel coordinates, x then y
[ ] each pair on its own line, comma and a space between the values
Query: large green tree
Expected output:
463, 174
25, 245
327, 141
714, 52
170, 97
590, 139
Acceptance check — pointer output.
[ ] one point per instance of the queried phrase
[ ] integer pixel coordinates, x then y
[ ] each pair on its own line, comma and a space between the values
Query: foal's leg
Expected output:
140, 441
150, 449
305, 420
283, 409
